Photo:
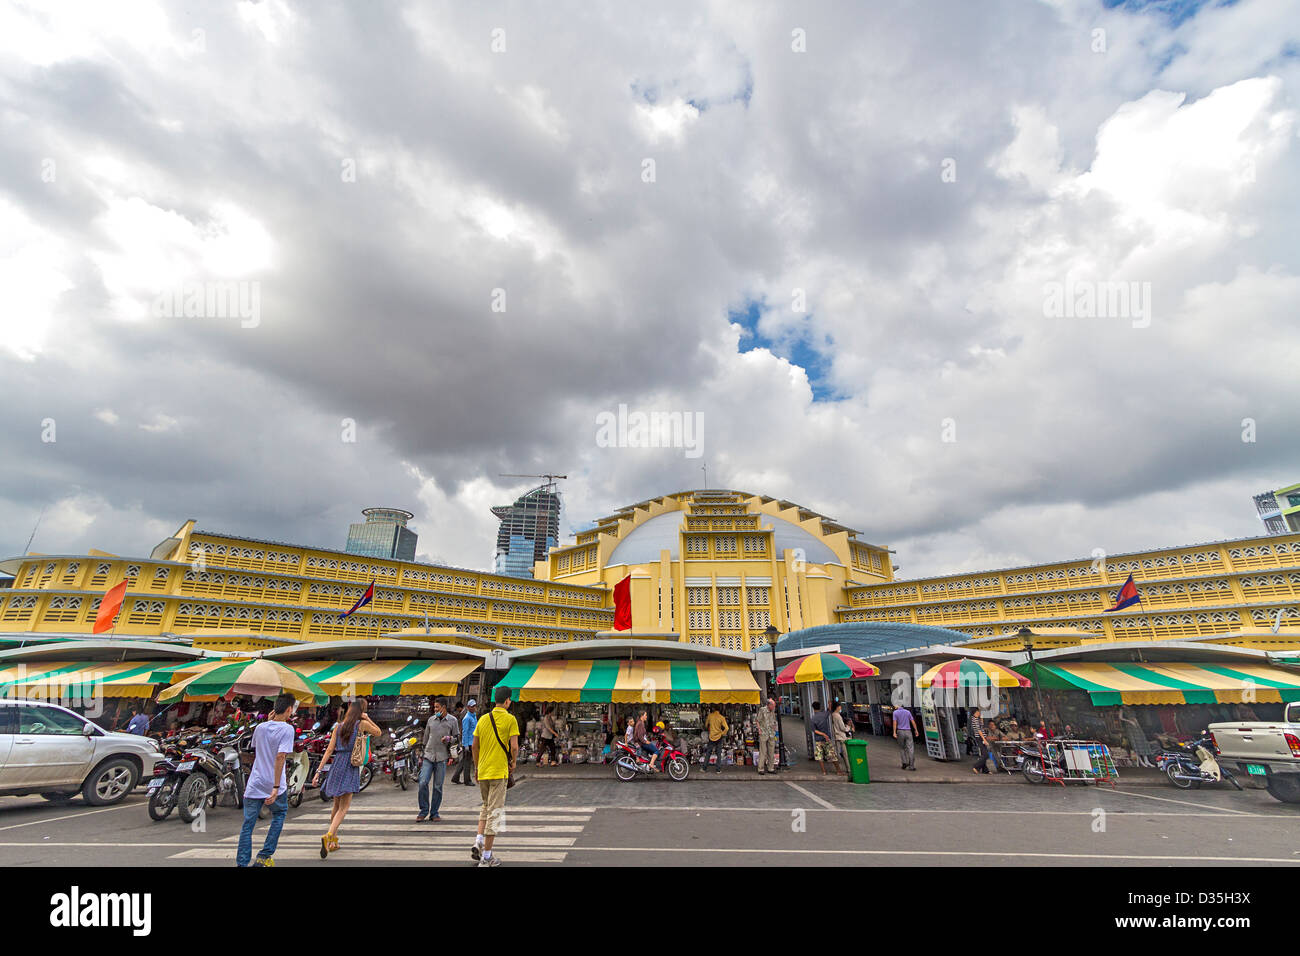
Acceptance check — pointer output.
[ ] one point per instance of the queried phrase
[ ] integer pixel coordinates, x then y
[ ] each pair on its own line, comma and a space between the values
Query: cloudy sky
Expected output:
838, 234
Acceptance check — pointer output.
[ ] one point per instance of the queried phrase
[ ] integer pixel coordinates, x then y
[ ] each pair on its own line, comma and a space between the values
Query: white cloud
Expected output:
160, 423
520, 170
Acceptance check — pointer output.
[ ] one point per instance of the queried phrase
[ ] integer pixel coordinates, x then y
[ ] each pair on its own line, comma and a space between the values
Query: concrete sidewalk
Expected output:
882, 760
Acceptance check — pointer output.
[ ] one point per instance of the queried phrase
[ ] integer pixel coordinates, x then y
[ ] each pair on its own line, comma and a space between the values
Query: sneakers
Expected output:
264, 861
493, 860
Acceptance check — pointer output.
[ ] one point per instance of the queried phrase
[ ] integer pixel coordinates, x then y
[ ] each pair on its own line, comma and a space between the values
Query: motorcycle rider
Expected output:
640, 738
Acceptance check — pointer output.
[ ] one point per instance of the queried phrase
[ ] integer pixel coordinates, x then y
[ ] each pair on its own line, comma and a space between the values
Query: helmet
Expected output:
659, 725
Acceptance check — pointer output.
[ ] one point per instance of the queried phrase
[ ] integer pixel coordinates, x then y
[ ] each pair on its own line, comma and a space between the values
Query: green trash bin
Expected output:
859, 772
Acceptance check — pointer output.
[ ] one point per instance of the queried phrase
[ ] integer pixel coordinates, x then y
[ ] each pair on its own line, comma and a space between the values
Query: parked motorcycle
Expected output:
629, 761
1192, 764
216, 777
1038, 763
407, 755
181, 755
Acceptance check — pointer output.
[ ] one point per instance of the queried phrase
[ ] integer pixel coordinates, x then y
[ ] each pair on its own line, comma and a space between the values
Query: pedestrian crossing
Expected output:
379, 835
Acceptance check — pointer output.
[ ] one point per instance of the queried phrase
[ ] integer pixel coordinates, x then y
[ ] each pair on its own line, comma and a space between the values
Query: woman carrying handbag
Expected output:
350, 736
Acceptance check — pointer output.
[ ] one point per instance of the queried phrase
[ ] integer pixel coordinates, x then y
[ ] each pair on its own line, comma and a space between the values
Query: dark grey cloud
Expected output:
521, 171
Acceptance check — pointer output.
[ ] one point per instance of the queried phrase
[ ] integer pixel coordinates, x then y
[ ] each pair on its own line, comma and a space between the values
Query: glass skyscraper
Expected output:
383, 534
529, 529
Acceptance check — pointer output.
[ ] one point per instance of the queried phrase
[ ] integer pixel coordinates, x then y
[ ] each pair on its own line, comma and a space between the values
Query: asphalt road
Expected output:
708, 822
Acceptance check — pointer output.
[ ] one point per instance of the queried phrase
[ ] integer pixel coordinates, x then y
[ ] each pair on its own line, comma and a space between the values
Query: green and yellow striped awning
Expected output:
85, 680
388, 678
1115, 683
631, 682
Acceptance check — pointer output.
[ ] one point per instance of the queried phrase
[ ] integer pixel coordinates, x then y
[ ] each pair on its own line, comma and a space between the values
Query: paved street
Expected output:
711, 822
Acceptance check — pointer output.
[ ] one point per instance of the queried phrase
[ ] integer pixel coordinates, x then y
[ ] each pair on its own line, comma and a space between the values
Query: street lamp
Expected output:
772, 635
1027, 641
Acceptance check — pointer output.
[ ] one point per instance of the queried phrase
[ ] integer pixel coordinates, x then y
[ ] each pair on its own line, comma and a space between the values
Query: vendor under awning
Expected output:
632, 681
1114, 683
388, 678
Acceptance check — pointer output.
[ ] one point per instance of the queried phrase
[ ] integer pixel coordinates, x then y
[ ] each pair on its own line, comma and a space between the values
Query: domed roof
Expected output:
660, 533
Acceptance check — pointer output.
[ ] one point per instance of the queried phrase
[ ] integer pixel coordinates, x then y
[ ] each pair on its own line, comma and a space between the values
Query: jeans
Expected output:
714, 747
437, 772
252, 805
466, 766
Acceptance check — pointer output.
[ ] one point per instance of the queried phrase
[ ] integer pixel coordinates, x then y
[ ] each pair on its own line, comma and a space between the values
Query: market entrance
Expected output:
590, 699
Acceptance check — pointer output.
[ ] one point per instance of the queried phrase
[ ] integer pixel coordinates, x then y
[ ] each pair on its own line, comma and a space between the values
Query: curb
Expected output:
798, 777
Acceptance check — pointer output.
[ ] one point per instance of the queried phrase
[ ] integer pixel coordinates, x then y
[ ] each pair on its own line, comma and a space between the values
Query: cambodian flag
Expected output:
1127, 595
361, 601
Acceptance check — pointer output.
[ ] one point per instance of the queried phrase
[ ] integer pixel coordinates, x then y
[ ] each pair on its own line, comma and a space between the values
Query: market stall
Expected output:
948, 692
1139, 697
398, 675
592, 687
814, 674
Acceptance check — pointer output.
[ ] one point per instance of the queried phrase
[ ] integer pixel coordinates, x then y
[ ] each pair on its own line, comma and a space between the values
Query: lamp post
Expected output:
1027, 640
772, 635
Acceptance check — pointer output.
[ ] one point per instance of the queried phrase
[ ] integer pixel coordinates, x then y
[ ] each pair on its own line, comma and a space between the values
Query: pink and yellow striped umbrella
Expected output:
965, 672
815, 667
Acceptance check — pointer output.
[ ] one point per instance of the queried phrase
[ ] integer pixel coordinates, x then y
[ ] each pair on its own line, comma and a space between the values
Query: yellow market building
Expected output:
707, 567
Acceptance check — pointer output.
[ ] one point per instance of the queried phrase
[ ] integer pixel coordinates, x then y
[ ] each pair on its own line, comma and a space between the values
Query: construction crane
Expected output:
550, 479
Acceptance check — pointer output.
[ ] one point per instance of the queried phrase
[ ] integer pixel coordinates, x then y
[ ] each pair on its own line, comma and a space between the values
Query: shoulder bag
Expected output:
360, 747
510, 771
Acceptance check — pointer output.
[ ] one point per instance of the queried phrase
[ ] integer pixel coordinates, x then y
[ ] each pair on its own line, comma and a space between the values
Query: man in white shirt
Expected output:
272, 743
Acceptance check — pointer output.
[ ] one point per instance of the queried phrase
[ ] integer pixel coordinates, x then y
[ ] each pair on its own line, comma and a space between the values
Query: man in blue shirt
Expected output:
466, 764
904, 721
138, 724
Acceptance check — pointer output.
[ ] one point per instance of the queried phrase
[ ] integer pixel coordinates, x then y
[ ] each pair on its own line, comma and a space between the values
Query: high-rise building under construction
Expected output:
529, 529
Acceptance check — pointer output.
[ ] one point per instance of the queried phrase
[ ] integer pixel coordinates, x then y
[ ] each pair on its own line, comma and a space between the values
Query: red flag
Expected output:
623, 604
108, 608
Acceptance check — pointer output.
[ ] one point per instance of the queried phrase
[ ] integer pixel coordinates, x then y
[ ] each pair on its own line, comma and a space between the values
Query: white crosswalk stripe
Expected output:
376, 835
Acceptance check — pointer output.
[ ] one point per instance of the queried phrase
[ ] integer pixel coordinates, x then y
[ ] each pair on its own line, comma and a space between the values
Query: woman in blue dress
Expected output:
343, 779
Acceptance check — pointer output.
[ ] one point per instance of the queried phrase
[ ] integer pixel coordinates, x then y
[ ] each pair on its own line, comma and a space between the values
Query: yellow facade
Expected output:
1187, 593
711, 567
199, 581
717, 567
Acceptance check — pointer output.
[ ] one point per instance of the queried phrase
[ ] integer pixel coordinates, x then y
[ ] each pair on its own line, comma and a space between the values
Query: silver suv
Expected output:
53, 751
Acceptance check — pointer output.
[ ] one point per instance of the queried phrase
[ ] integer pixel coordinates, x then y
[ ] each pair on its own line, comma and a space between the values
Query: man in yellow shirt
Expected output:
717, 729
496, 748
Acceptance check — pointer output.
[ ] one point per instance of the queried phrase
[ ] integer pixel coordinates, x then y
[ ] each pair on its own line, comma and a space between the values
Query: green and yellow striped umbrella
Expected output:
253, 677
964, 672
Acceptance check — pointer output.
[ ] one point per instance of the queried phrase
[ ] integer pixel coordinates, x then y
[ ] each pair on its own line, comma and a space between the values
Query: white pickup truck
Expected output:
1265, 749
